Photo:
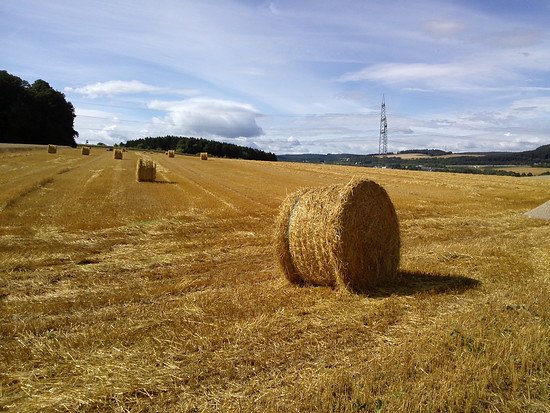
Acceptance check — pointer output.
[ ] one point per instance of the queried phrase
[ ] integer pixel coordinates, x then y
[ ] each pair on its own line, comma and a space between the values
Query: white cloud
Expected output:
93, 113
443, 28
102, 126
208, 117
411, 72
538, 105
517, 38
113, 87
292, 141
465, 76
122, 87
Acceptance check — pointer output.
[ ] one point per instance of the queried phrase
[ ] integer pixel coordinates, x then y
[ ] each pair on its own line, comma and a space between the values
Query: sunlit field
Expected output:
149, 297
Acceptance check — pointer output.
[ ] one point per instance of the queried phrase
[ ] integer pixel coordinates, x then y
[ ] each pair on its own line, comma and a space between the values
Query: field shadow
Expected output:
417, 282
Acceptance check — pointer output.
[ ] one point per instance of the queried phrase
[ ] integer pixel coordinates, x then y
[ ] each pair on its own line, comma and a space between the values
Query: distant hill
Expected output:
540, 155
429, 152
437, 160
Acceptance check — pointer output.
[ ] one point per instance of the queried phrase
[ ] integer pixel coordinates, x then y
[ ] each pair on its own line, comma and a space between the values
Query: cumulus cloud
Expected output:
121, 87
108, 134
210, 117
102, 126
292, 141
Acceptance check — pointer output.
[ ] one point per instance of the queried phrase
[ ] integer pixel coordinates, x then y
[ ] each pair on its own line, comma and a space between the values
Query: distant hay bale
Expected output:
85, 150
52, 148
146, 170
171, 154
343, 236
117, 154
204, 156
123, 149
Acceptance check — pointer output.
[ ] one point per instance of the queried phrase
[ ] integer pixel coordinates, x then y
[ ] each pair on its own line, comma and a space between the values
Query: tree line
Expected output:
34, 114
195, 145
536, 157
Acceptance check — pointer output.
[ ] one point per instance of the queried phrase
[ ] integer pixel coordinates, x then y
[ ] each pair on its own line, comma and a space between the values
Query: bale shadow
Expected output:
416, 282
158, 182
164, 182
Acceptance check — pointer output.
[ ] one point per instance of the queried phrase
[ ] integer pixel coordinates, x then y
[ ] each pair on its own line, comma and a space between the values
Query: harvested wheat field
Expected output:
120, 296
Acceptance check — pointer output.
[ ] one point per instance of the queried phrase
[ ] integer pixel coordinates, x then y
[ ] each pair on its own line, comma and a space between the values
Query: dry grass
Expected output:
18, 147
116, 296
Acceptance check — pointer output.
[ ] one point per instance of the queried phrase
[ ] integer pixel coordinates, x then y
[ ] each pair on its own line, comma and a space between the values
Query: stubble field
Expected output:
144, 297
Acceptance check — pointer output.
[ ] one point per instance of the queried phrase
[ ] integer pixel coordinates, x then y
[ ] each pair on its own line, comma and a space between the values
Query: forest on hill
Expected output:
195, 145
429, 152
460, 163
34, 114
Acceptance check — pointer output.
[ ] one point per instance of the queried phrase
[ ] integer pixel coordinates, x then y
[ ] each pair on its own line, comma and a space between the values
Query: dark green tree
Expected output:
34, 113
196, 145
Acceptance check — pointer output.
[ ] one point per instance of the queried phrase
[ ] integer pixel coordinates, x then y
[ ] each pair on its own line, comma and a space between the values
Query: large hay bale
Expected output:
146, 170
344, 236
52, 148
117, 154
171, 154
204, 156
85, 150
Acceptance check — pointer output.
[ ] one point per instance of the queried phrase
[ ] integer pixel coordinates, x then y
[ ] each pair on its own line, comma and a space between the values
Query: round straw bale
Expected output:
344, 236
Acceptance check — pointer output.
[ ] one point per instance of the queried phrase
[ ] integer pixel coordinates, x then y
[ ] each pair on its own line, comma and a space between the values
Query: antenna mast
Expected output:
383, 142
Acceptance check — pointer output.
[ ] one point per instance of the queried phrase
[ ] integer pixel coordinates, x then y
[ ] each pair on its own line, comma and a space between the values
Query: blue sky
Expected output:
293, 76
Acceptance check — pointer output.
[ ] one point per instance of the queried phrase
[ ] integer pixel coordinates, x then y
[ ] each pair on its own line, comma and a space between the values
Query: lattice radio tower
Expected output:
383, 142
